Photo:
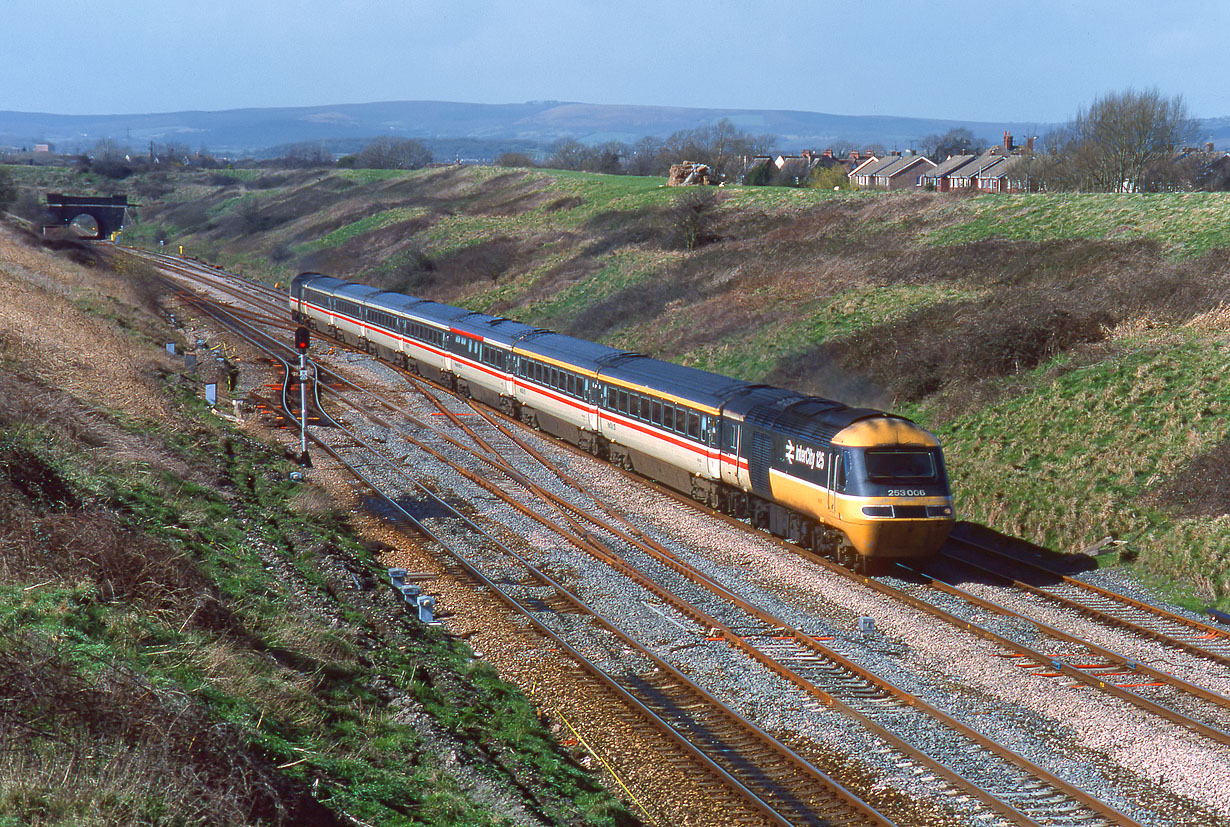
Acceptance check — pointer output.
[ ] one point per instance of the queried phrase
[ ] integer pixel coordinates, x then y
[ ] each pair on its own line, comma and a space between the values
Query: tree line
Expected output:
721, 145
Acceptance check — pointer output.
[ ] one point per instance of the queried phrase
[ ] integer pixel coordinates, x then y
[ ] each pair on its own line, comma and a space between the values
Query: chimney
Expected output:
1208, 147
1029, 143
805, 154
1007, 141
828, 153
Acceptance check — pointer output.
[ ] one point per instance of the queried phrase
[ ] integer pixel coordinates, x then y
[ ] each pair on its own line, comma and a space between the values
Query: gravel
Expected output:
1156, 772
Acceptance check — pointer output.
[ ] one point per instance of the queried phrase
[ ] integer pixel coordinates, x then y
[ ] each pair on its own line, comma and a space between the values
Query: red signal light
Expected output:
303, 339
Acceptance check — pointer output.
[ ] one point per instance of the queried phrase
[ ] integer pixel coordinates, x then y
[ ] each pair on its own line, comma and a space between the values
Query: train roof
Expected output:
393, 302
809, 417
582, 353
442, 315
318, 281
493, 328
753, 397
701, 387
358, 293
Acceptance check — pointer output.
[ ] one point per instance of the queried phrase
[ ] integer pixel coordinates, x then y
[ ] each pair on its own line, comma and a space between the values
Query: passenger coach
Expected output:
846, 481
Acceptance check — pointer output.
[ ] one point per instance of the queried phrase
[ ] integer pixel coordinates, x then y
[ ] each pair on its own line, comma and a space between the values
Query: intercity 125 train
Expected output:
852, 483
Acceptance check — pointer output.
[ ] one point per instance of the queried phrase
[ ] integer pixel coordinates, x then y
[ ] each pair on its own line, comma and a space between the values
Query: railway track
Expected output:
1029, 795
764, 773
1104, 605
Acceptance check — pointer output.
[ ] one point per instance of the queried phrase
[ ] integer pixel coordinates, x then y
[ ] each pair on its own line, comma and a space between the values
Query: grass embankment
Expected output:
1063, 346
181, 637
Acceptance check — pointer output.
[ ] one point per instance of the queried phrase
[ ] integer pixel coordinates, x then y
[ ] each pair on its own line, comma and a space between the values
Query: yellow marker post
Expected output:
181, 249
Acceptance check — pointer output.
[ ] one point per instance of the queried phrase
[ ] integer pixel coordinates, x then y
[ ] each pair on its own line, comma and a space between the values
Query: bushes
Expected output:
8, 190
692, 217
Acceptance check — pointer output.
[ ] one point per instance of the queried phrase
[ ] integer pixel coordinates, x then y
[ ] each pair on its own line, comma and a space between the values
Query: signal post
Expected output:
303, 340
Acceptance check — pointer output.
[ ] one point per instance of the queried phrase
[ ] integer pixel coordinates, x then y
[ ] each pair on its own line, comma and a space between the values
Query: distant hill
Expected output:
518, 126
486, 128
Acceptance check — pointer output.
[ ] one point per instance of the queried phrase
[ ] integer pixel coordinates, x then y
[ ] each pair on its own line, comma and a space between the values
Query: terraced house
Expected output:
1002, 168
896, 172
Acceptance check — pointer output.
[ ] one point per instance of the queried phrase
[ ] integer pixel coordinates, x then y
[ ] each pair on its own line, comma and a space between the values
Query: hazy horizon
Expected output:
1039, 62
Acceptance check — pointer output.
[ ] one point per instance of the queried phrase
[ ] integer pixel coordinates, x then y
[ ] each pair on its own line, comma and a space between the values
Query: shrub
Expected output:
692, 216
8, 190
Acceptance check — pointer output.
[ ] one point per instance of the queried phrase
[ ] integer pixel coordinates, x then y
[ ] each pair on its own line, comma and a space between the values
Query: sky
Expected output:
1032, 61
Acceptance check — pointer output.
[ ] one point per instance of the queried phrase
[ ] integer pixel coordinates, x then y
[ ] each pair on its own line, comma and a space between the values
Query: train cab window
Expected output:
839, 473
693, 425
917, 466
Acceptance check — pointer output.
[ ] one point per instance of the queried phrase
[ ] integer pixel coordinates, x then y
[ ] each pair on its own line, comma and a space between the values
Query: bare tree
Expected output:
841, 148
393, 153
958, 141
1121, 139
305, 155
567, 153
645, 158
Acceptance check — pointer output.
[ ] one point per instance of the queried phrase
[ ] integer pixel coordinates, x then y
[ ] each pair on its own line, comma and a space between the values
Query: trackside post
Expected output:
303, 340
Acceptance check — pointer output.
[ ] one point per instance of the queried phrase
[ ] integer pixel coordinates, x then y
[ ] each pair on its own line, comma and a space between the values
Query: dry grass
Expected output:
43, 326
136, 753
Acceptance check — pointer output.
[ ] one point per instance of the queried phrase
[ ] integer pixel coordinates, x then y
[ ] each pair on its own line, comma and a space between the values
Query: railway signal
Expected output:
303, 340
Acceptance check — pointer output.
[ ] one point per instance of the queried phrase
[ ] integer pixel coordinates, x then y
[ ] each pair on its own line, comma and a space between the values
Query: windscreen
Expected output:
916, 466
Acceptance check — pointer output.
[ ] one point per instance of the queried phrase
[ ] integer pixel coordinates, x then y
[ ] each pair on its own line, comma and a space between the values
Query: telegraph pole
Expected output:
303, 340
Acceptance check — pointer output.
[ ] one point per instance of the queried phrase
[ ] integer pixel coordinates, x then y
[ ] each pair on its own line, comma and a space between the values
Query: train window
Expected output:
668, 417
570, 384
730, 437
656, 418
612, 398
901, 465
839, 474
645, 408
555, 378
623, 402
693, 425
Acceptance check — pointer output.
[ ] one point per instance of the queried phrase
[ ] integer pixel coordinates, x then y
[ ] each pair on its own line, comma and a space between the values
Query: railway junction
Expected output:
989, 695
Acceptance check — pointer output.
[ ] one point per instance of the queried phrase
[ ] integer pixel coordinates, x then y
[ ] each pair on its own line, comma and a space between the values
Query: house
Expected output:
1001, 168
896, 172
863, 175
939, 178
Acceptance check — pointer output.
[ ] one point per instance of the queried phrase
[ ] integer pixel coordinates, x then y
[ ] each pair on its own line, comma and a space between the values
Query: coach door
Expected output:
730, 451
835, 478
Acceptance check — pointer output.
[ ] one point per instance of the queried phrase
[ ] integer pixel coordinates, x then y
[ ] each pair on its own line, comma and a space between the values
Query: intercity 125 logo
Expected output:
804, 455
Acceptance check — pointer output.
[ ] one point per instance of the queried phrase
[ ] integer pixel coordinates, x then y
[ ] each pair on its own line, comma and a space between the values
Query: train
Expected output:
858, 485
